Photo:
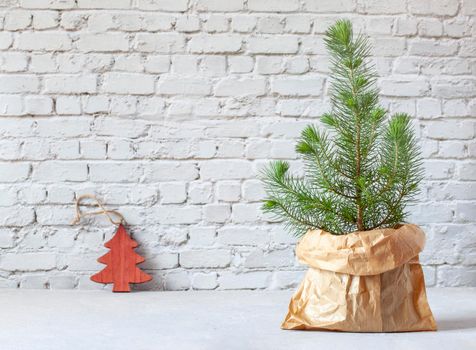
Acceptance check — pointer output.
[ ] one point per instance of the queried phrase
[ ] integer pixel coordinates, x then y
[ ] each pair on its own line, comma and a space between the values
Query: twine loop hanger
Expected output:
109, 213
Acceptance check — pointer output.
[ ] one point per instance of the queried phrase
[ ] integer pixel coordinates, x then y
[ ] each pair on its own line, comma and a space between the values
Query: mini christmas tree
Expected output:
362, 171
121, 263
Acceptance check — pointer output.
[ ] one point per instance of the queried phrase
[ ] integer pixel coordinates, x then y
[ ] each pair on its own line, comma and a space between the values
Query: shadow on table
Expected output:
456, 324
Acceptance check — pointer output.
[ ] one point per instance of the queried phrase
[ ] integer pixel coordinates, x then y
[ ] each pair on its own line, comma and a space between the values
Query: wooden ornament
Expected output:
121, 263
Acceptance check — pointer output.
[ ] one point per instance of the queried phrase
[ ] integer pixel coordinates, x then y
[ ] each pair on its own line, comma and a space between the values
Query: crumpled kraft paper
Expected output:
369, 281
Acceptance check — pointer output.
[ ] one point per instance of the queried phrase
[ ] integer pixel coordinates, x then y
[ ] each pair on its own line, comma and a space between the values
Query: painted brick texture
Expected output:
167, 109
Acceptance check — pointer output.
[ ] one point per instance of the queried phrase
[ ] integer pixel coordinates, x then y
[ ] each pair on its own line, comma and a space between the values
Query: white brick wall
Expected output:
167, 109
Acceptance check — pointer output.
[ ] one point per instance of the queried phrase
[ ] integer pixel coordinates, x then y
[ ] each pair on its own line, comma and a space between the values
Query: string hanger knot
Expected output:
109, 213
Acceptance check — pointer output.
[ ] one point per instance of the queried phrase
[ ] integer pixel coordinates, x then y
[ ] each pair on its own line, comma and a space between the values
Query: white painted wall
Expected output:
167, 109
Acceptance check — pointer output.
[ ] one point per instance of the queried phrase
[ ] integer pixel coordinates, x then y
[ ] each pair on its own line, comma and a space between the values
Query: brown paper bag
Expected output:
369, 281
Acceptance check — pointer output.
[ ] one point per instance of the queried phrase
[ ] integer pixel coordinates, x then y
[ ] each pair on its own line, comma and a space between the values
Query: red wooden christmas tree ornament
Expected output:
121, 263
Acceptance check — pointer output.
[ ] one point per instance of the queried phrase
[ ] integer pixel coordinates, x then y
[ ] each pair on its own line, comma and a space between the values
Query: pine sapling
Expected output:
361, 168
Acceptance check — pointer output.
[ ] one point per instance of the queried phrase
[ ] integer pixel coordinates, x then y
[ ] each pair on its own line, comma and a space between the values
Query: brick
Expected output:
16, 216
173, 192
277, 258
246, 213
161, 261
157, 64
187, 24
11, 105
453, 190
467, 171
327, 6
247, 280
203, 258
28, 262
219, 6
179, 280
451, 149
14, 172
70, 84
7, 238
173, 215
95, 104
120, 127
219, 43
429, 108
205, 281
454, 88
394, 47
457, 28
14, 83
228, 191
14, 62
46, 41
120, 149
273, 5
430, 28
103, 42
430, 47
288, 279
404, 87
379, 25
199, 193
438, 170
269, 65
216, 24
128, 83
114, 172
240, 64
217, 213
163, 5
240, 87
253, 191
298, 65
455, 108
430, 275
63, 281
273, 45
379, 7
406, 26
465, 212
45, 20
431, 213
298, 24
104, 4
38, 105
68, 105
159, 42
202, 236
226, 169
53, 215
440, 8
53, 171
60, 195
270, 25
298, 86
243, 24
171, 171
242, 236
456, 276
48, 4
191, 86
16, 20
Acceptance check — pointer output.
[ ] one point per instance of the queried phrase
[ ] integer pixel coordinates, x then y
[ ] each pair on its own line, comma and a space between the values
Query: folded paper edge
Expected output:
361, 253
